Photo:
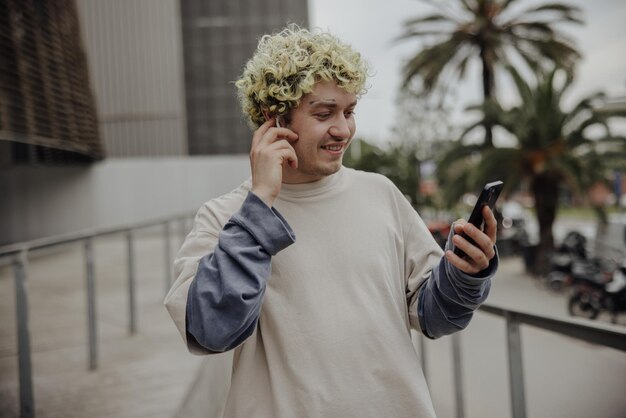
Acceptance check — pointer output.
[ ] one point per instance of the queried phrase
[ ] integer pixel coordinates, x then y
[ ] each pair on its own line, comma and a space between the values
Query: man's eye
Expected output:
323, 115
349, 113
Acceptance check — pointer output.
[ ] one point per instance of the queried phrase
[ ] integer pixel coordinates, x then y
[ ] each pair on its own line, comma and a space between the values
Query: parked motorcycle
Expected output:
569, 264
591, 297
568, 271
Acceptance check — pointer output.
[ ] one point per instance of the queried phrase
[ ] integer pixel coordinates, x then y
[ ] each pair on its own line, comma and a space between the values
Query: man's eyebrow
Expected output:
328, 103
323, 102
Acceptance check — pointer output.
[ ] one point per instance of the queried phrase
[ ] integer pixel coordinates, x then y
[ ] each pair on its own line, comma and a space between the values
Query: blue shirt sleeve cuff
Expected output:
265, 224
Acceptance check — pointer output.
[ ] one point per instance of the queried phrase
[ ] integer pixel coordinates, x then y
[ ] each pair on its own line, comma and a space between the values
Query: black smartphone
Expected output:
488, 197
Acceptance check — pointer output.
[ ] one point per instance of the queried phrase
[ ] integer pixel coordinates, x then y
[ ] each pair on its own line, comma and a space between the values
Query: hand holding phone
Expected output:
488, 197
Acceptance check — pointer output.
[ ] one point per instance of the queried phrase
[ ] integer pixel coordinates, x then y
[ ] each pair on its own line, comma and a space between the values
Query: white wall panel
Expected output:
45, 201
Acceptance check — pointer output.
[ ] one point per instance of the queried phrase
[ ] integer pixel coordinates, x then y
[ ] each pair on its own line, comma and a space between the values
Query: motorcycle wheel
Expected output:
556, 281
580, 304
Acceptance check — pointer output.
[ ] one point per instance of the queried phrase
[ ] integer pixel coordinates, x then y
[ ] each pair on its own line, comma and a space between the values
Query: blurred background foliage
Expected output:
399, 163
552, 152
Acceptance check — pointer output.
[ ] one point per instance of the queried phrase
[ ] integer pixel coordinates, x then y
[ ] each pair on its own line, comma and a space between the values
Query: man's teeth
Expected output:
332, 147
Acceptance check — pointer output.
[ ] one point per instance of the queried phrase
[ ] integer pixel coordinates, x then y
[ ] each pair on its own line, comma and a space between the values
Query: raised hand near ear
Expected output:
271, 150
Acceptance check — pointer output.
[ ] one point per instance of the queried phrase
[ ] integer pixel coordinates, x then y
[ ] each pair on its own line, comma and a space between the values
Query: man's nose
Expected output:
340, 129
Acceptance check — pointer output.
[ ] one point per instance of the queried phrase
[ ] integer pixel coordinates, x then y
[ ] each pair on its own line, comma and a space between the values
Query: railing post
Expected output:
516, 370
27, 402
168, 261
458, 375
132, 306
91, 304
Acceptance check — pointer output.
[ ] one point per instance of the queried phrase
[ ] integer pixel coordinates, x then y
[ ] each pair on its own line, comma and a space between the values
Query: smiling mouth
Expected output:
333, 147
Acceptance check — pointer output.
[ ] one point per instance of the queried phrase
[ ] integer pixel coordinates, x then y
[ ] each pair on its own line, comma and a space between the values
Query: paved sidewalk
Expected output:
144, 375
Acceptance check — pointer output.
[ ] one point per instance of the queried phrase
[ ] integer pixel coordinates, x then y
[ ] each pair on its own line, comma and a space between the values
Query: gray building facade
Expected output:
134, 50
219, 36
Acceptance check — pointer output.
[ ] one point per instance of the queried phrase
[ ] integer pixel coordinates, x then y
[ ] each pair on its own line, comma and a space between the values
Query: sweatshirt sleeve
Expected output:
225, 296
221, 275
448, 299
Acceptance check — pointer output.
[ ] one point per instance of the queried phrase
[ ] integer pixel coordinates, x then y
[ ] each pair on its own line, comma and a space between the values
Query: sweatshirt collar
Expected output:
311, 189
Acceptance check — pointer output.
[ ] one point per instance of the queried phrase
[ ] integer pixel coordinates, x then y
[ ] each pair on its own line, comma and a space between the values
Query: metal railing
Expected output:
18, 255
599, 334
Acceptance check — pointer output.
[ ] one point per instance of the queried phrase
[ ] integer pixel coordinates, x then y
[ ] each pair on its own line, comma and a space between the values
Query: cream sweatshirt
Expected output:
320, 325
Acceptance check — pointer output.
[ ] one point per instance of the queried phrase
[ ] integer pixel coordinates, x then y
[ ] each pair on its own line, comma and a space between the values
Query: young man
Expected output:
320, 325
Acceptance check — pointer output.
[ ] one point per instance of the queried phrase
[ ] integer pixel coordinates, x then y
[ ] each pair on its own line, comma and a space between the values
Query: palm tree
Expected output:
488, 30
553, 151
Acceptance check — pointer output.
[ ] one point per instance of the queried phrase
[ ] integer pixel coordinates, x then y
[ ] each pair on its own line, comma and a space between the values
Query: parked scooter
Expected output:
569, 263
591, 297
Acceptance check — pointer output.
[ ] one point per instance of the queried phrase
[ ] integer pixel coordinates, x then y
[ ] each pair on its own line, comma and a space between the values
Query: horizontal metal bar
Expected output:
600, 334
14, 249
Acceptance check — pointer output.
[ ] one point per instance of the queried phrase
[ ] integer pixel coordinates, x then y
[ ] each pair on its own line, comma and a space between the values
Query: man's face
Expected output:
324, 122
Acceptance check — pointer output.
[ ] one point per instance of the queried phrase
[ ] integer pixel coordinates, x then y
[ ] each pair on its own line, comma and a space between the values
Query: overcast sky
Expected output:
370, 27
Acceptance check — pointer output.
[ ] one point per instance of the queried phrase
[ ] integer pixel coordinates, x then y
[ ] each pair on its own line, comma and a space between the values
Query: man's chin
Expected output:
318, 171
331, 168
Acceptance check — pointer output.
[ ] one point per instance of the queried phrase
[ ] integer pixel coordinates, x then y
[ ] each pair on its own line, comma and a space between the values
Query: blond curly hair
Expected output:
287, 65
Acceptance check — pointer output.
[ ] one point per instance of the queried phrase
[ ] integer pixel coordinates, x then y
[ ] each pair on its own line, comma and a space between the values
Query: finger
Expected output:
273, 134
473, 251
482, 243
289, 156
458, 225
475, 257
280, 145
461, 263
261, 130
491, 225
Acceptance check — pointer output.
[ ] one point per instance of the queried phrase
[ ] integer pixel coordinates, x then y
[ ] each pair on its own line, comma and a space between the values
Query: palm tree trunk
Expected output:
488, 91
545, 190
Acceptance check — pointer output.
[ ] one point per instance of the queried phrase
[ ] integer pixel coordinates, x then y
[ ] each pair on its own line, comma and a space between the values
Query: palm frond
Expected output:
530, 29
429, 64
488, 33
522, 86
467, 6
558, 8
507, 3
498, 164
565, 12
470, 128
433, 18
418, 33
534, 62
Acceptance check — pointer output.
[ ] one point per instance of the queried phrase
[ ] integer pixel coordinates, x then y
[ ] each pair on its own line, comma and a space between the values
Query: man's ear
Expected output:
267, 115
